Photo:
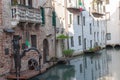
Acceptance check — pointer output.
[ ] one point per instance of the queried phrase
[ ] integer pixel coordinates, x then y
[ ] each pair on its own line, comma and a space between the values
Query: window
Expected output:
70, 18
90, 43
53, 18
95, 36
98, 36
79, 40
85, 62
78, 19
34, 41
93, 22
43, 15
30, 3
72, 41
22, 2
97, 23
108, 36
27, 40
16, 37
90, 28
84, 20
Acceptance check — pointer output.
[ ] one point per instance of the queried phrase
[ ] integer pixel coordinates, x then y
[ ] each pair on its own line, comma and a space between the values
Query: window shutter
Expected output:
53, 18
43, 15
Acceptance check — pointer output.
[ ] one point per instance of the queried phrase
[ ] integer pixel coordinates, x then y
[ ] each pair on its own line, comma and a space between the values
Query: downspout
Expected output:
66, 23
82, 31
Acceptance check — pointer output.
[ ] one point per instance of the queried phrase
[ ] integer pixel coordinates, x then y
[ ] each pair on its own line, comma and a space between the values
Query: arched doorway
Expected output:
45, 50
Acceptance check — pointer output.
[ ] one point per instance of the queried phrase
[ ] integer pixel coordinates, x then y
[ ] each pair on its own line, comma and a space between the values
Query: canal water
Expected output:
104, 65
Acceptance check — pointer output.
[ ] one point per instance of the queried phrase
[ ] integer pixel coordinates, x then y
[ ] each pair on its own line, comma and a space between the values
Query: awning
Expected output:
9, 30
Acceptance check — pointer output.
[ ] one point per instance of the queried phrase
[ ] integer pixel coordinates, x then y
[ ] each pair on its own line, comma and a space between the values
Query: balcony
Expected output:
73, 8
25, 14
98, 8
97, 14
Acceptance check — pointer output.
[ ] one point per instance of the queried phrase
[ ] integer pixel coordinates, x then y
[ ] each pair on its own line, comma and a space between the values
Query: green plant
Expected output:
68, 52
14, 2
62, 36
95, 48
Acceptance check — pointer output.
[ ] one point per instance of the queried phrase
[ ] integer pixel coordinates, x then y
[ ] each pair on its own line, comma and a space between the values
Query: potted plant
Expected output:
14, 2
68, 52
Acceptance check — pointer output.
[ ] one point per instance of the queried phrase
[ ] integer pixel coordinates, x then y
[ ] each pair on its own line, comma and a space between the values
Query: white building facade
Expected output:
84, 29
113, 22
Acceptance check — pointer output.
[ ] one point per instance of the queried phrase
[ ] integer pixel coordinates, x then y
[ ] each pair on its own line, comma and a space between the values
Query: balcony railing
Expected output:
74, 8
97, 13
98, 8
26, 14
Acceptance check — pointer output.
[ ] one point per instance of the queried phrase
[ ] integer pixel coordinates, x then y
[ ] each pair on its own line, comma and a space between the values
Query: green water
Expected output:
104, 65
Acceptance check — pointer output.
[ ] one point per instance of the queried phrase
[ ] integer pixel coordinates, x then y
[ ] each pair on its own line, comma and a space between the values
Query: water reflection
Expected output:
101, 66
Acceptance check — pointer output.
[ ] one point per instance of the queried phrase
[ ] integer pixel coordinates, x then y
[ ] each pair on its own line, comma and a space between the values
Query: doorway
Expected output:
45, 50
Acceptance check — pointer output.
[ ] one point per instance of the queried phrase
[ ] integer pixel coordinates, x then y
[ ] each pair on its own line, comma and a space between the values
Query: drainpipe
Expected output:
66, 23
54, 30
82, 32
106, 30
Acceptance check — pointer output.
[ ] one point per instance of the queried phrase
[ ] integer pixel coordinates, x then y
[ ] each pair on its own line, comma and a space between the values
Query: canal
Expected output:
104, 65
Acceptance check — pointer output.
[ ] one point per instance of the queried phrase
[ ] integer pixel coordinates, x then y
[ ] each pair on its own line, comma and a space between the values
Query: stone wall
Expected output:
42, 32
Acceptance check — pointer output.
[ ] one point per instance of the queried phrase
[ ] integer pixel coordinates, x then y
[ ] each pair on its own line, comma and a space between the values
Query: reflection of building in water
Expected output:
59, 72
90, 67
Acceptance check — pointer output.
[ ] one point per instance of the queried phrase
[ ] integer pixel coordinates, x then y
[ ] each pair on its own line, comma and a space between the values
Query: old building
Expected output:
32, 21
113, 22
83, 21
86, 24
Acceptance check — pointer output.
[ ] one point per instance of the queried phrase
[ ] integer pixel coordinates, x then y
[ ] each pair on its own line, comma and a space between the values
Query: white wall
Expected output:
113, 23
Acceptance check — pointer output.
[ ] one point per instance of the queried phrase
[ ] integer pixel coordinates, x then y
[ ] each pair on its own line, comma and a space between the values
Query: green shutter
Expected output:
53, 18
43, 15
27, 43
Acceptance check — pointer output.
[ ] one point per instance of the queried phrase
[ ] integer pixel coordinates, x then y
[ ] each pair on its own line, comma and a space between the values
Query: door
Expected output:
45, 50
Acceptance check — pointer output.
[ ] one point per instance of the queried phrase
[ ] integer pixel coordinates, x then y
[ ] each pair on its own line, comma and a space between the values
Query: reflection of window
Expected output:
108, 36
85, 62
81, 68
